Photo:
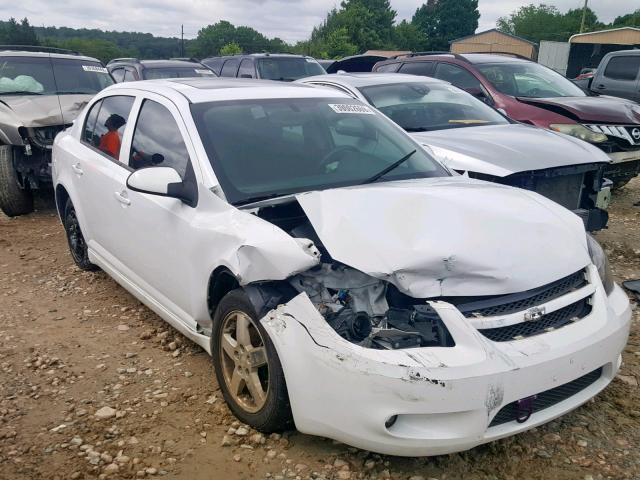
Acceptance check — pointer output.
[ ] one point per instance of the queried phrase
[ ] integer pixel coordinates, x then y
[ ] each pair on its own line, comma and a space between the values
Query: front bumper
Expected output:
445, 398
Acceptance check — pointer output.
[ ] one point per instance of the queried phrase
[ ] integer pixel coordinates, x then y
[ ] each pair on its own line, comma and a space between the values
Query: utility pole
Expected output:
584, 15
182, 38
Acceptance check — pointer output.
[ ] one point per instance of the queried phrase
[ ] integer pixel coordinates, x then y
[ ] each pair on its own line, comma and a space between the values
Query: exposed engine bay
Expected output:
364, 310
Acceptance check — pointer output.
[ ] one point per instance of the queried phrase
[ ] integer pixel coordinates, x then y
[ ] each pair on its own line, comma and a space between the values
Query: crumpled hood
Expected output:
599, 109
449, 236
502, 150
43, 110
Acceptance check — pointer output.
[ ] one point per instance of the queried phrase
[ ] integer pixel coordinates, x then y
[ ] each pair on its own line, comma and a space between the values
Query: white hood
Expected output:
501, 150
449, 236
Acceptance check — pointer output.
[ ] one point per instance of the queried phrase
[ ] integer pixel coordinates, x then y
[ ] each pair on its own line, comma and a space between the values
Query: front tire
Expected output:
247, 366
14, 200
77, 244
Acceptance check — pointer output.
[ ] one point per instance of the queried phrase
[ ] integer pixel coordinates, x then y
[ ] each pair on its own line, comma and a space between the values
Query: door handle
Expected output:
601, 87
122, 197
77, 169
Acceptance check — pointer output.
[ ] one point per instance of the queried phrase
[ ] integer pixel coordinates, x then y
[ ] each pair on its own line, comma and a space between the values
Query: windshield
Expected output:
176, 72
264, 148
528, 79
51, 76
421, 107
288, 69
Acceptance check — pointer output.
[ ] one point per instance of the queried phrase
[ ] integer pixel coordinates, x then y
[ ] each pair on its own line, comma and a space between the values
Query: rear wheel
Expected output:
14, 200
77, 244
247, 366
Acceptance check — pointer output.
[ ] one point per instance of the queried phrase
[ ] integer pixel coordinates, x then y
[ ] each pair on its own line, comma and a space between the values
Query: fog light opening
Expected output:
391, 421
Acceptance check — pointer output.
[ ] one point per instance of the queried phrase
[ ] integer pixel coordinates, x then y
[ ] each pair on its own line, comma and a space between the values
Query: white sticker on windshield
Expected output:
92, 68
310, 60
350, 108
202, 71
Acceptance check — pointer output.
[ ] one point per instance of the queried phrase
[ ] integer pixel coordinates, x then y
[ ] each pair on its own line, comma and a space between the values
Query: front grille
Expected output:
548, 398
629, 133
517, 302
552, 321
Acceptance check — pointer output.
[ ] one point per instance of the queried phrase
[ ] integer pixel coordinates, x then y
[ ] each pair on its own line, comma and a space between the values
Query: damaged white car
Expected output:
343, 280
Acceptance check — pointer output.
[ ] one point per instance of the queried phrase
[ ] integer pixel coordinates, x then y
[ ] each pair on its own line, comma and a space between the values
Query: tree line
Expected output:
354, 27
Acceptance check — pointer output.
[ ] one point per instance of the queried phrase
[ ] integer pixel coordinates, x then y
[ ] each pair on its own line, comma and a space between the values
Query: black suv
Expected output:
132, 69
268, 66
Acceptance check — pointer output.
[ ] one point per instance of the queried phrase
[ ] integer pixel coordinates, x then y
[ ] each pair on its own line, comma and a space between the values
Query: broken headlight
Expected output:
600, 260
579, 131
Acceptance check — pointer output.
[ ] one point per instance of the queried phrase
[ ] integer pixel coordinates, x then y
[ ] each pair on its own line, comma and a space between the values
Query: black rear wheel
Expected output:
14, 200
77, 244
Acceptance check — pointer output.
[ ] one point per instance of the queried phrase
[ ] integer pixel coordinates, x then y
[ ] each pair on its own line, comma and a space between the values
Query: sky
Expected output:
291, 20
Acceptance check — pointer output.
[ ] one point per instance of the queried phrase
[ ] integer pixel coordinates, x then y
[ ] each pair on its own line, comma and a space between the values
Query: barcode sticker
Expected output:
351, 108
92, 68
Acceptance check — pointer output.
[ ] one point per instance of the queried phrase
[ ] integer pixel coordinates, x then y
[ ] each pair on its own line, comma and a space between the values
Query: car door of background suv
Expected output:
619, 77
154, 249
98, 171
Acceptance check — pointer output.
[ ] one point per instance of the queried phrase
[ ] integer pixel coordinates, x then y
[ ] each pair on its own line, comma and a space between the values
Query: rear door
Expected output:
98, 171
619, 77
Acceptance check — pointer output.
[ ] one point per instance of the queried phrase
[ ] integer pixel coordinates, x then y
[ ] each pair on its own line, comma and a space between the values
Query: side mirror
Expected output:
164, 182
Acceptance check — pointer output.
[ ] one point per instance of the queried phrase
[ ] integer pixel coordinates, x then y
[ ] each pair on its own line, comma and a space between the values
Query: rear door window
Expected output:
246, 69
457, 76
230, 68
110, 124
623, 67
417, 68
129, 75
118, 74
90, 124
157, 141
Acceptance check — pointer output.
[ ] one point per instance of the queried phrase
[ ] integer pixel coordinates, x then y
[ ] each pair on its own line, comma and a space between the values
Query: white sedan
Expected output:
343, 280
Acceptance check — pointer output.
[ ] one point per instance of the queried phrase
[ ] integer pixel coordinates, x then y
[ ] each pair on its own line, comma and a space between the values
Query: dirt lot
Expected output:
72, 343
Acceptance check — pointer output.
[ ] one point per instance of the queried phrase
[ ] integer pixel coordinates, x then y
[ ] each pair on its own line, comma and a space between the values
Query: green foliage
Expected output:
231, 49
441, 21
545, 22
338, 44
14, 33
408, 36
213, 38
628, 20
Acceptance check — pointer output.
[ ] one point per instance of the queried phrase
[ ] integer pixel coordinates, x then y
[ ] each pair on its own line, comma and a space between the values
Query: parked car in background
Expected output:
41, 92
342, 279
583, 80
267, 66
619, 75
469, 136
132, 69
531, 93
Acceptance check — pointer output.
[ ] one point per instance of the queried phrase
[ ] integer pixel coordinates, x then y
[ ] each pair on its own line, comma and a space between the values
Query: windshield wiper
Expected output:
21, 92
393, 166
71, 92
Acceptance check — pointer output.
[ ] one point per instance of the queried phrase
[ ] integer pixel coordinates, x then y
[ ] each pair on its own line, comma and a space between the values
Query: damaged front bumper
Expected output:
438, 400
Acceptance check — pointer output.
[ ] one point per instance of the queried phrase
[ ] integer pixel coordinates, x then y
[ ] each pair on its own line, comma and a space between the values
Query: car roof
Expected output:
200, 89
358, 80
635, 51
25, 53
259, 55
169, 63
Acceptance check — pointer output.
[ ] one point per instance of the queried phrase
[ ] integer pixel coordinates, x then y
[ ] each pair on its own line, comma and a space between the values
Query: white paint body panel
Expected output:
449, 236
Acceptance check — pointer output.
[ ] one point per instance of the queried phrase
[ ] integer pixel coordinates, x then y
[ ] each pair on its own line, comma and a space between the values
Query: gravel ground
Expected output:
94, 385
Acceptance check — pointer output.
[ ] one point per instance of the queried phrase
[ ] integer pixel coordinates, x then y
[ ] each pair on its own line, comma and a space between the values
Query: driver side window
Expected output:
157, 141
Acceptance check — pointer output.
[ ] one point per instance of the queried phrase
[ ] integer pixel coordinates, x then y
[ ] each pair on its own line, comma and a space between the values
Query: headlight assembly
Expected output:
579, 131
600, 260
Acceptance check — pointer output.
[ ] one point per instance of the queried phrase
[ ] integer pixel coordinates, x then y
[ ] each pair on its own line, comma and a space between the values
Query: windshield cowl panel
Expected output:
267, 148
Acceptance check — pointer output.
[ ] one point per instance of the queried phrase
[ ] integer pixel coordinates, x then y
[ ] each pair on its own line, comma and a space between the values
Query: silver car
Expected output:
469, 136
41, 93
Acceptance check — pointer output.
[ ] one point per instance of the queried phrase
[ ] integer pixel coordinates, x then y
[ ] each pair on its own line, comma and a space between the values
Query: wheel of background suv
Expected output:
247, 366
14, 200
77, 245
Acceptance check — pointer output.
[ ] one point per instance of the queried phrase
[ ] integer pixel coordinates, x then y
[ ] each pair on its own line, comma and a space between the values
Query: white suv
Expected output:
341, 278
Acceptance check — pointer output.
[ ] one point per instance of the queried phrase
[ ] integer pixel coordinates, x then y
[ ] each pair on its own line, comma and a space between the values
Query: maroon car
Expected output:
531, 93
